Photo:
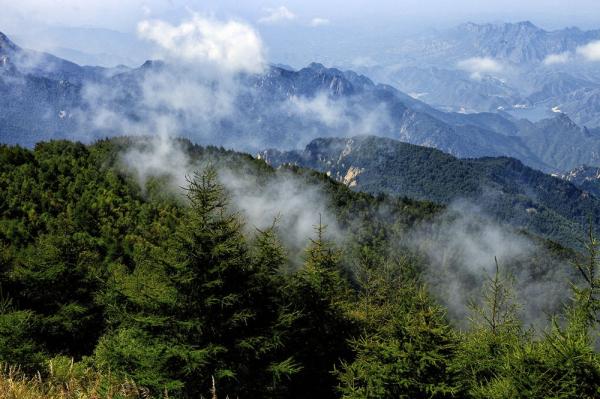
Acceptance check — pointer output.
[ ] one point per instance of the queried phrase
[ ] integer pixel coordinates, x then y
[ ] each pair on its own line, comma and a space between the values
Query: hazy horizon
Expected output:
333, 32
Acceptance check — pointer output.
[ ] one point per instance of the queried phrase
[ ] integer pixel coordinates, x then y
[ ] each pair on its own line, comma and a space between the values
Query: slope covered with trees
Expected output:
110, 289
504, 187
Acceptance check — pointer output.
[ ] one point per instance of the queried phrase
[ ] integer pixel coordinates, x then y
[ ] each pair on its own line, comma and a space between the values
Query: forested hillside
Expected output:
118, 284
504, 187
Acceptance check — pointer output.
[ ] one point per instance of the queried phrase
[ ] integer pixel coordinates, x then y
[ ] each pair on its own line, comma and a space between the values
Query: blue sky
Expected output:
123, 14
316, 25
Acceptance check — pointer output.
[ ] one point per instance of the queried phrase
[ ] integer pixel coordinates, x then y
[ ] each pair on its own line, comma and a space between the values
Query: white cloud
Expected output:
590, 51
319, 22
191, 94
339, 116
229, 46
321, 107
296, 204
161, 156
278, 14
560, 58
461, 244
479, 66
363, 62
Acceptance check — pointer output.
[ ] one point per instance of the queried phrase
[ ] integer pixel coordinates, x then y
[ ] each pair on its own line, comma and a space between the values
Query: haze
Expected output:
332, 32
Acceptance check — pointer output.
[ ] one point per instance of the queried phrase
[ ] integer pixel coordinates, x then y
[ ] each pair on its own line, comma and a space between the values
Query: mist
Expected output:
460, 247
207, 87
282, 199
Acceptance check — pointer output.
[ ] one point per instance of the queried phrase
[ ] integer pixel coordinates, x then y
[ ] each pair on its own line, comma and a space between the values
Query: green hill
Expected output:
119, 284
502, 187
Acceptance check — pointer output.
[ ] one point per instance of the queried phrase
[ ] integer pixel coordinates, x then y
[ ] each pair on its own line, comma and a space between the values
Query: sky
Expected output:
122, 15
318, 25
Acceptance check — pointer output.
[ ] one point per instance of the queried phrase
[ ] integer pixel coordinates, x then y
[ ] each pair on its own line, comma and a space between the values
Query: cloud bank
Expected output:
480, 66
230, 46
321, 107
555, 59
276, 15
460, 246
295, 205
590, 51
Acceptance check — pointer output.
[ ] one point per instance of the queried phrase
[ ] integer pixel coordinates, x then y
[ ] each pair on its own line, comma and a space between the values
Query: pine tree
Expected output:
55, 281
406, 347
205, 305
586, 296
268, 364
495, 333
18, 333
320, 334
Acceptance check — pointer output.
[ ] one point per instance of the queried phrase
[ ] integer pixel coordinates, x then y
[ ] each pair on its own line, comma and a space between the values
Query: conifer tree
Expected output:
55, 281
495, 332
269, 339
320, 334
18, 333
203, 306
406, 347
563, 364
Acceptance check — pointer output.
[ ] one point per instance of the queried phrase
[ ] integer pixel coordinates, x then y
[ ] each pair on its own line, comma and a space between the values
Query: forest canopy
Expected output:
112, 288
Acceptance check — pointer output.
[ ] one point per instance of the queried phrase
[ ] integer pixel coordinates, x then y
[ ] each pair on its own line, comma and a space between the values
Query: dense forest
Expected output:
114, 289
504, 187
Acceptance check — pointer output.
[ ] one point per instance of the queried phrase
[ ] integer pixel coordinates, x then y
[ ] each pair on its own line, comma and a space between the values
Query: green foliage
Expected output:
503, 187
191, 309
321, 298
123, 287
18, 339
494, 334
406, 345
498, 360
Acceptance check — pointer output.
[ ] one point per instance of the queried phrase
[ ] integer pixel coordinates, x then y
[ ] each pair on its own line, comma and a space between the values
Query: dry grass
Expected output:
65, 380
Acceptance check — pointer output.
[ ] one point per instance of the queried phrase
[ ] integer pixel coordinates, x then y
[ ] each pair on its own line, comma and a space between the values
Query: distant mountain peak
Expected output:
150, 64
566, 121
526, 24
7, 44
317, 66
473, 26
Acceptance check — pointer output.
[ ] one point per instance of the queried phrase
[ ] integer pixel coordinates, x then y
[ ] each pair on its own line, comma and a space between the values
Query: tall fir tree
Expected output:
321, 332
203, 306
406, 346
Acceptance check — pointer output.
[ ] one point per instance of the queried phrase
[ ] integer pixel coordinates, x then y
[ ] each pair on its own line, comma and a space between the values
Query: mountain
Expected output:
518, 43
38, 93
585, 177
43, 65
87, 45
152, 270
503, 187
158, 266
514, 67
451, 90
560, 142
280, 108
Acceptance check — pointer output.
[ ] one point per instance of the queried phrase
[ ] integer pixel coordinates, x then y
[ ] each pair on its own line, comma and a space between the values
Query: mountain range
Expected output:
502, 187
516, 67
45, 97
379, 244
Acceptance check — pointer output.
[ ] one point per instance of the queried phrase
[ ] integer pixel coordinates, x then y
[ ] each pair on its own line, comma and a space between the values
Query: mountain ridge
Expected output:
502, 186
280, 108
